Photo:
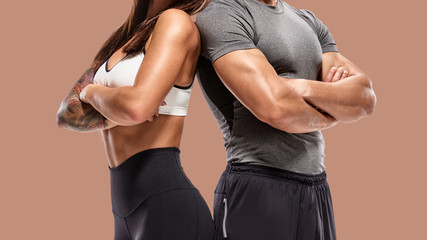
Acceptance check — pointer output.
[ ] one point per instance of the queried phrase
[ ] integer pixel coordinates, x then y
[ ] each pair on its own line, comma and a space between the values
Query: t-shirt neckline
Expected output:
279, 8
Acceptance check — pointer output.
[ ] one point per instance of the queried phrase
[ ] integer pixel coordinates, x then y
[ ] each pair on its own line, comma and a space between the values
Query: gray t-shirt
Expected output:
293, 42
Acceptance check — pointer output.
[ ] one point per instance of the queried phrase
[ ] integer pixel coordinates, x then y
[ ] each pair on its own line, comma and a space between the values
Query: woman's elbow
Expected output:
62, 120
138, 113
59, 121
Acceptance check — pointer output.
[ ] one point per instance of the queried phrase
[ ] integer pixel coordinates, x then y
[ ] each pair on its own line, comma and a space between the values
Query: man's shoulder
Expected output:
220, 11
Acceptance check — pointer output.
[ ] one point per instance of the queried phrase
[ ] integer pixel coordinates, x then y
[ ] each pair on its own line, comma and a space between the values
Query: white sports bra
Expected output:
124, 74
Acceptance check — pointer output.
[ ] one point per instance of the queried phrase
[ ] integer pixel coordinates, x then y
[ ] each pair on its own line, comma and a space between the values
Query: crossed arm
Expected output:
78, 116
91, 107
297, 105
175, 39
346, 100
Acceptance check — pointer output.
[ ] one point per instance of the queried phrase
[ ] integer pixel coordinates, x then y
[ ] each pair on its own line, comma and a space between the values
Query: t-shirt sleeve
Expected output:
325, 37
224, 29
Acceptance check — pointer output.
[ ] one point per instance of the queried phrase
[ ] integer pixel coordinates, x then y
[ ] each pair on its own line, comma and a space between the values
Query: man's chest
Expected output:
289, 44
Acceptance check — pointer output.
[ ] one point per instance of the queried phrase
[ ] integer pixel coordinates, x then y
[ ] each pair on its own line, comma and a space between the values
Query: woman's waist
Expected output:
122, 142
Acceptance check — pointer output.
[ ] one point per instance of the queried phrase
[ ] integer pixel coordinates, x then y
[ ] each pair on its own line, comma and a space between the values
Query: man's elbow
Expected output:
277, 117
370, 103
369, 98
363, 108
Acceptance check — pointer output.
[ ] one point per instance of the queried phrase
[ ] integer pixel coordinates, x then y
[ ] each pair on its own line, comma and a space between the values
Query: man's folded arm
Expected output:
271, 98
346, 100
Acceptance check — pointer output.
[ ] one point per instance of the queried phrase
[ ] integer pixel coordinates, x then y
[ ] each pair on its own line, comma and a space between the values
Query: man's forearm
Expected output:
290, 112
303, 120
78, 116
346, 100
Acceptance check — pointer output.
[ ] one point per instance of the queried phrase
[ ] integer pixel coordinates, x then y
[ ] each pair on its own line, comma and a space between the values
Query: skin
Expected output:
296, 105
171, 55
75, 115
347, 100
344, 93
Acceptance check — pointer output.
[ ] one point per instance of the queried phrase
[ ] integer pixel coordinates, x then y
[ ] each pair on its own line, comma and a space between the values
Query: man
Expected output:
259, 60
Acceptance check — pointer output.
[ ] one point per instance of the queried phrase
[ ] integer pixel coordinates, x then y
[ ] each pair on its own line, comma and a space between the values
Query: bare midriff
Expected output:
121, 142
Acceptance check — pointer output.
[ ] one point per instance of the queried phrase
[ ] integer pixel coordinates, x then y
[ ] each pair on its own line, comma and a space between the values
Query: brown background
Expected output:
55, 183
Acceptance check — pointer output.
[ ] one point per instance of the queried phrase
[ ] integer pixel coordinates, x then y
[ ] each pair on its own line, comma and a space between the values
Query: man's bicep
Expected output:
245, 73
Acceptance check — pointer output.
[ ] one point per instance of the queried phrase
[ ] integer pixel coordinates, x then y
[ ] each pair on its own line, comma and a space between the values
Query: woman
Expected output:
144, 73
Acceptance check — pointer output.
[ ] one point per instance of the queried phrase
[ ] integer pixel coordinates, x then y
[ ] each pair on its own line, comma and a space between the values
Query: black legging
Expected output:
153, 199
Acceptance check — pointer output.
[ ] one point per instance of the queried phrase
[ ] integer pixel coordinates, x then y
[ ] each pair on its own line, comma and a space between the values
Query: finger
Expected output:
163, 103
344, 75
330, 74
338, 74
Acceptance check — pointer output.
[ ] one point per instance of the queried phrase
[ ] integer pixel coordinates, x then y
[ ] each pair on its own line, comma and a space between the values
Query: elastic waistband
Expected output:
143, 175
306, 179
147, 154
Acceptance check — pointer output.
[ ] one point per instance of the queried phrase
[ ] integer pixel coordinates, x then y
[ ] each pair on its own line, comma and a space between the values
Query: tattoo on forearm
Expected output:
77, 115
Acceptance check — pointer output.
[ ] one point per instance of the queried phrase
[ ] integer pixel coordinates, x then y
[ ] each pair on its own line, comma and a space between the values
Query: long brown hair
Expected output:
138, 28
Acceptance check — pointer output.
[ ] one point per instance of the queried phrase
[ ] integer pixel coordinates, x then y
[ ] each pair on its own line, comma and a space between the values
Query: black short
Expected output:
153, 199
257, 202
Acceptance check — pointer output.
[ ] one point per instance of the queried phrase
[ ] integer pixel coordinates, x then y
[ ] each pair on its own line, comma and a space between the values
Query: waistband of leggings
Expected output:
306, 179
147, 173
147, 155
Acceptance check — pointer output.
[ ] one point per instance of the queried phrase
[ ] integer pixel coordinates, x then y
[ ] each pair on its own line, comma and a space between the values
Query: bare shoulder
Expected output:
178, 25
175, 14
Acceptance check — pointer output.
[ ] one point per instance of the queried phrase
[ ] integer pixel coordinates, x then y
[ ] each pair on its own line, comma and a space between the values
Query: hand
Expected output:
157, 112
336, 74
83, 93
76, 115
